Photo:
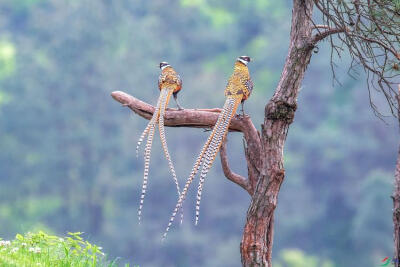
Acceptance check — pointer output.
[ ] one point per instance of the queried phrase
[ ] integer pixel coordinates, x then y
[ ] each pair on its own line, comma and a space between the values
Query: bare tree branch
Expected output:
322, 35
234, 177
194, 118
320, 26
370, 30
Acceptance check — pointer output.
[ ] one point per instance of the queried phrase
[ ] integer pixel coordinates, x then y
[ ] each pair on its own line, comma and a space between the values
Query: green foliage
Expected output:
7, 66
219, 17
41, 249
297, 258
7, 59
372, 219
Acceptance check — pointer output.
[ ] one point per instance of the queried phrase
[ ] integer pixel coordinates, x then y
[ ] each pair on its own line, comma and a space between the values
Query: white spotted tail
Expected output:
207, 156
158, 118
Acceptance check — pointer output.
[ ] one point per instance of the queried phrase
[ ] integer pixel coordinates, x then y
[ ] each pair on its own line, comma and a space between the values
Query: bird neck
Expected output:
239, 66
166, 68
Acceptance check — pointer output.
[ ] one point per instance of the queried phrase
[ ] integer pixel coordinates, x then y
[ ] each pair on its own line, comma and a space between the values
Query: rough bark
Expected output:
396, 204
257, 241
396, 213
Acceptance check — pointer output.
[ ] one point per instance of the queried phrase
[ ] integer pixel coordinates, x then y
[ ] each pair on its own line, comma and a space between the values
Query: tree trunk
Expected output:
396, 213
396, 204
257, 241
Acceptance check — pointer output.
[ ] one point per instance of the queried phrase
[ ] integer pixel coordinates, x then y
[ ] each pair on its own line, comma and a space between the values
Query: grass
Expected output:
41, 249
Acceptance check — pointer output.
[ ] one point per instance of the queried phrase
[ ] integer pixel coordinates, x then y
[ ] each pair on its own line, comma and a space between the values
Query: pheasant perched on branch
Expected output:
169, 83
237, 91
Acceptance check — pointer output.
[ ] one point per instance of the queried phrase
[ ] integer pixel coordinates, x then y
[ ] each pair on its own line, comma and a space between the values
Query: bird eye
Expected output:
162, 64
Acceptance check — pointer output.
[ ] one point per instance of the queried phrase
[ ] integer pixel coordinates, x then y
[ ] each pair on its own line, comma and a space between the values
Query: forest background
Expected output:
67, 149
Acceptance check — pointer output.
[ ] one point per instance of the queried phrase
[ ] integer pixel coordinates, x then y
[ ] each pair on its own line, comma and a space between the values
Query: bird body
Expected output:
169, 83
238, 89
239, 84
170, 79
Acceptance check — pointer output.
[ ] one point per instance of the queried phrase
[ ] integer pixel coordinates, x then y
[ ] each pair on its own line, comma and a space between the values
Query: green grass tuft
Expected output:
41, 249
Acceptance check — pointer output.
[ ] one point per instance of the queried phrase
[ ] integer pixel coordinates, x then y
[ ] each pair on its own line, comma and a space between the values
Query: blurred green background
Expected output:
67, 149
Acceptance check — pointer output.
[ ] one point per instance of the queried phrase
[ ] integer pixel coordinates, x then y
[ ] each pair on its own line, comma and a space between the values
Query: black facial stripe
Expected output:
245, 58
162, 64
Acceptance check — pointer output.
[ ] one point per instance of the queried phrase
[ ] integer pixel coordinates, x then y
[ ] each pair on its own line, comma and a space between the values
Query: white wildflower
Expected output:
5, 243
14, 250
24, 244
35, 249
61, 239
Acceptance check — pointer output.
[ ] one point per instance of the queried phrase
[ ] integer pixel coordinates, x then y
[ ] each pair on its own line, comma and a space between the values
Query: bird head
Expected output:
244, 59
164, 64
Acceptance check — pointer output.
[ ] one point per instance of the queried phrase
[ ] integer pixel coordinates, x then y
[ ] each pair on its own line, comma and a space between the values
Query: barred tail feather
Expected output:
195, 169
147, 153
147, 129
145, 132
182, 196
164, 141
168, 93
230, 106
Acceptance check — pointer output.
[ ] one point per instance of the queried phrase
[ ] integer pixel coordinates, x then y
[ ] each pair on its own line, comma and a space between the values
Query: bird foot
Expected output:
242, 115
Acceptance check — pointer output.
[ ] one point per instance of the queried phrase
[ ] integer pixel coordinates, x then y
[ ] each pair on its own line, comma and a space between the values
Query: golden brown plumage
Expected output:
169, 78
238, 89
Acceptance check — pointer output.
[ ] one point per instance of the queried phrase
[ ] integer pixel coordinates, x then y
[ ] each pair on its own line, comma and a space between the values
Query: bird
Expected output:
169, 83
238, 89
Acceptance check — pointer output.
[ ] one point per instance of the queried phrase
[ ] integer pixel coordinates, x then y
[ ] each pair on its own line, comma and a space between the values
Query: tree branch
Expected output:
322, 35
206, 118
234, 177
194, 118
370, 32
320, 26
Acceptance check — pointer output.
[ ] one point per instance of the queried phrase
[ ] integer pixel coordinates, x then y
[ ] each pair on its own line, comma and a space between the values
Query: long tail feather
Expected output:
147, 153
195, 169
145, 132
212, 151
182, 197
168, 93
147, 129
